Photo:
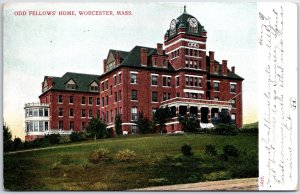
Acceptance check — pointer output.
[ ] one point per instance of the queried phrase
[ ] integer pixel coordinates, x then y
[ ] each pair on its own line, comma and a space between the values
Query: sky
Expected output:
35, 46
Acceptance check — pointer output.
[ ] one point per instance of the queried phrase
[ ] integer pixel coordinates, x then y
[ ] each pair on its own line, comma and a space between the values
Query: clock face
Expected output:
173, 24
193, 22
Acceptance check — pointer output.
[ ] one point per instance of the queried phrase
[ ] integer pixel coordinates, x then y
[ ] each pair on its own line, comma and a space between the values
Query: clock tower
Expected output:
185, 43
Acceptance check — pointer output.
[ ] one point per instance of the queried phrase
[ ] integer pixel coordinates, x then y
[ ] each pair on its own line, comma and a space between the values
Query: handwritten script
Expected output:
277, 123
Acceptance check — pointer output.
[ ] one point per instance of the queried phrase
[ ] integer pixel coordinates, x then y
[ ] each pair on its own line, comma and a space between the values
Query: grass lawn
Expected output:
158, 162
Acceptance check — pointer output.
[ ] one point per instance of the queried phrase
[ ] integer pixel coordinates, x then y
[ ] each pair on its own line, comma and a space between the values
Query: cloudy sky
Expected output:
35, 46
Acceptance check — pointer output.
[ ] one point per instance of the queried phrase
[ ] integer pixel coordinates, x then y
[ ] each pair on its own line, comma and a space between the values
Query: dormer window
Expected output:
71, 85
94, 87
45, 86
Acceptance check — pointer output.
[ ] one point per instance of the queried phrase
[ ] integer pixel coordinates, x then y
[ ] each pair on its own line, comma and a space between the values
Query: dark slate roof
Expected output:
82, 81
230, 74
122, 54
133, 59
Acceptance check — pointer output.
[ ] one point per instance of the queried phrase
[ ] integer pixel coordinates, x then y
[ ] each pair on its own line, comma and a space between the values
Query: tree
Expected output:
161, 117
118, 124
224, 117
7, 141
143, 124
189, 124
17, 144
97, 128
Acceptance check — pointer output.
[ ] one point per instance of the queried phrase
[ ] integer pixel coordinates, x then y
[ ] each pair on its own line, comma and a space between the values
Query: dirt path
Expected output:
248, 184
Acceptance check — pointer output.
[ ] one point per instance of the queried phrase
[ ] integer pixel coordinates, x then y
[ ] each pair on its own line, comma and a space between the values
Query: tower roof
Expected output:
187, 23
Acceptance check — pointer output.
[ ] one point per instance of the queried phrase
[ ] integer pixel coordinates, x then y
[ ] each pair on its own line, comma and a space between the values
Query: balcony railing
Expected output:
196, 101
35, 104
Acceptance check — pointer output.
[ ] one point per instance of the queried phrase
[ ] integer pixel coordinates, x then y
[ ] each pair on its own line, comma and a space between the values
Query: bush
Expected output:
231, 150
75, 136
125, 155
66, 159
110, 133
64, 139
99, 155
210, 150
52, 138
186, 150
225, 129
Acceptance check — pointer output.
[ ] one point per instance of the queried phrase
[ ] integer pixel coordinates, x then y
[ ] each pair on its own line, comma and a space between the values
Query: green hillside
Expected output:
158, 161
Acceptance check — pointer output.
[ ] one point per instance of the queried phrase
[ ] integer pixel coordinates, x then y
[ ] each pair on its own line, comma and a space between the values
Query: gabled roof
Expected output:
122, 54
83, 81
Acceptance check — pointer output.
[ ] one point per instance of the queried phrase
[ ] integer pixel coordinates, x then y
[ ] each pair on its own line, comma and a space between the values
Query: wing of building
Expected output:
179, 74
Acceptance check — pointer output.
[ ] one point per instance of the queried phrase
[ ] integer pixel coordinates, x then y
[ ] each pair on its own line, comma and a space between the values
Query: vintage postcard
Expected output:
161, 96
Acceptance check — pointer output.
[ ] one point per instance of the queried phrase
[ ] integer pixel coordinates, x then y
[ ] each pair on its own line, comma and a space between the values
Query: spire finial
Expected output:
184, 11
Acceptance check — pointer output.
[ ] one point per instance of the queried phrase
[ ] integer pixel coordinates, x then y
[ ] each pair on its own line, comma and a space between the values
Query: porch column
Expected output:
199, 113
209, 115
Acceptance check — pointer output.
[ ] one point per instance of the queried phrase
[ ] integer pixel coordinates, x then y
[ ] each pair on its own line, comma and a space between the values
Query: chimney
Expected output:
224, 67
159, 49
49, 82
117, 58
211, 61
233, 69
104, 65
143, 56
204, 33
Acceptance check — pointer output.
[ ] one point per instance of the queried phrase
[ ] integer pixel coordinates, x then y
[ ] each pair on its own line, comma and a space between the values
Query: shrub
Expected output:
64, 139
99, 155
225, 129
110, 133
186, 150
81, 136
52, 138
231, 150
66, 159
125, 155
210, 150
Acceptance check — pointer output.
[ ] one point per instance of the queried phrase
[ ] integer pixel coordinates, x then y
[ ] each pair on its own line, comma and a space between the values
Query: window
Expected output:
111, 116
83, 125
166, 81
134, 129
71, 125
133, 94
120, 110
186, 80
177, 81
186, 63
35, 125
169, 96
186, 51
71, 100
111, 90
116, 96
102, 85
90, 113
233, 103
195, 81
98, 113
60, 125
106, 85
115, 80
133, 78
164, 96
83, 113
200, 82
232, 88
233, 119
90, 100
41, 112
46, 112
120, 95
46, 125
98, 101
83, 100
120, 78
164, 63
60, 112
177, 94
41, 126
94, 88
71, 85
154, 80
216, 98
60, 99
216, 86
154, 110
134, 113
154, 97
106, 100
71, 112
155, 62
103, 103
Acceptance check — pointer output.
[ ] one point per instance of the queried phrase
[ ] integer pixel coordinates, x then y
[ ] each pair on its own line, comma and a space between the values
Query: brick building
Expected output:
179, 75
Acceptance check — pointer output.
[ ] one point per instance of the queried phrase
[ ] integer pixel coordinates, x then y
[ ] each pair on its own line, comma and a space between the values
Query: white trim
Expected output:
129, 124
193, 56
234, 83
154, 74
177, 76
184, 47
193, 75
217, 81
175, 57
110, 126
134, 72
175, 122
184, 39
166, 75
193, 91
